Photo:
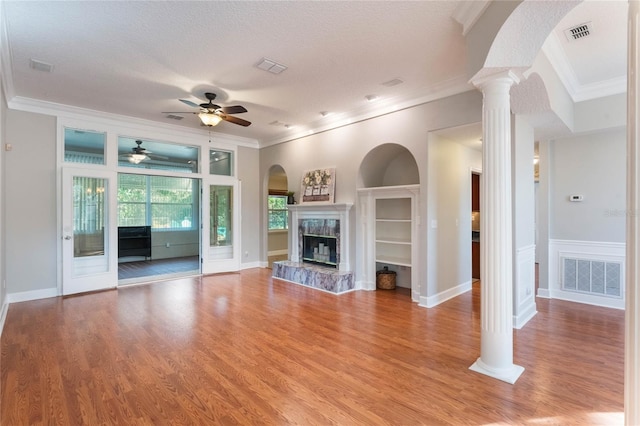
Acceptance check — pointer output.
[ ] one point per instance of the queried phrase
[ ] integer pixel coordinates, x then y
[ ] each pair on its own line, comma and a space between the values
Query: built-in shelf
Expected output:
390, 233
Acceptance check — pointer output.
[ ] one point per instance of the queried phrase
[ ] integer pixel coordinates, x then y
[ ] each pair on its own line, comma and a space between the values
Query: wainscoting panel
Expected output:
587, 272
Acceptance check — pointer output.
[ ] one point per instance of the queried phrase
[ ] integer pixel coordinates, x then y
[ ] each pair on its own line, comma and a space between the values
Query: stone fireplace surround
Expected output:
332, 220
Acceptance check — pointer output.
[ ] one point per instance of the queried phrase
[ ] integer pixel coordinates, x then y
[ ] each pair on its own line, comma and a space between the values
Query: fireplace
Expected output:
320, 241
319, 252
324, 227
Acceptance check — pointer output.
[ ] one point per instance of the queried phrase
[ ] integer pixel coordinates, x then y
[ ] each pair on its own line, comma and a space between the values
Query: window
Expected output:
220, 162
278, 213
83, 146
147, 154
159, 201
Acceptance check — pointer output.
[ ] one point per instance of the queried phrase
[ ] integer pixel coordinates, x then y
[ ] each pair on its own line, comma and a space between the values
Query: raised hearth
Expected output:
320, 277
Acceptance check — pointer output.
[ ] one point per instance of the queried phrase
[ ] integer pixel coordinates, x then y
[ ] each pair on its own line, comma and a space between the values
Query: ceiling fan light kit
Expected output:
211, 114
209, 119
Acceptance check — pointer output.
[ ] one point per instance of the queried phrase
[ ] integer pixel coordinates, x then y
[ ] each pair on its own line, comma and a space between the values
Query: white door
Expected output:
221, 238
89, 245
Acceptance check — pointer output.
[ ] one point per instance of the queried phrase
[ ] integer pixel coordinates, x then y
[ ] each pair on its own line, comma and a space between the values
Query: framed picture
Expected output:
318, 186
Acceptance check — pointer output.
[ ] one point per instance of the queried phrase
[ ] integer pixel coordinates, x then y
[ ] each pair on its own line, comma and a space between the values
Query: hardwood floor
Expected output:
243, 349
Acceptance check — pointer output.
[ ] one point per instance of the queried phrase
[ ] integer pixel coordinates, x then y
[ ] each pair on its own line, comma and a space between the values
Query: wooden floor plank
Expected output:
245, 349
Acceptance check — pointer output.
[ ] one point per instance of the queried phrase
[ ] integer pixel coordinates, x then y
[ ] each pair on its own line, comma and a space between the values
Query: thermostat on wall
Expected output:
576, 197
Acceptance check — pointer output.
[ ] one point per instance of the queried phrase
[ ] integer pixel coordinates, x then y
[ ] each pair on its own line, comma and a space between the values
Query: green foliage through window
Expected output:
278, 213
160, 201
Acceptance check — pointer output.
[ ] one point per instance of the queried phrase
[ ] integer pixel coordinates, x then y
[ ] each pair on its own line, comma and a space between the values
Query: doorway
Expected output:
475, 227
158, 227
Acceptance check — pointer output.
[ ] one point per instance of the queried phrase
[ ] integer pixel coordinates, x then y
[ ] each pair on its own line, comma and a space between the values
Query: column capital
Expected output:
488, 75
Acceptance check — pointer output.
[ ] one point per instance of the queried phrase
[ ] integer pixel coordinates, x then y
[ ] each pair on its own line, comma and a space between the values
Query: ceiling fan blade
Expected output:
179, 112
233, 109
235, 120
191, 104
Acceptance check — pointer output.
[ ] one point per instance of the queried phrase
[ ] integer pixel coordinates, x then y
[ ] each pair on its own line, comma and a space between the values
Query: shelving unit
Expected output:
393, 231
134, 241
389, 224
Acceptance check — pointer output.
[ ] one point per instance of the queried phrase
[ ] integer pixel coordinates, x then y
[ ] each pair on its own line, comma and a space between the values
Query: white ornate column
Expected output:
632, 312
496, 260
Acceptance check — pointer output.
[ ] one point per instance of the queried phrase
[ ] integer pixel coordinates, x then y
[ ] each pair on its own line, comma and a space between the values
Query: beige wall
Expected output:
30, 202
344, 148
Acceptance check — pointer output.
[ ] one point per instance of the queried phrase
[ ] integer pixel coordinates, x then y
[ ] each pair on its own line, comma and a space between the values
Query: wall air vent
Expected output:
175, 117
579, 31
597, 277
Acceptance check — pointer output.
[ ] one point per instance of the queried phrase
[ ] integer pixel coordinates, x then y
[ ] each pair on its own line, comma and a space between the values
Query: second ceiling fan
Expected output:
211, 114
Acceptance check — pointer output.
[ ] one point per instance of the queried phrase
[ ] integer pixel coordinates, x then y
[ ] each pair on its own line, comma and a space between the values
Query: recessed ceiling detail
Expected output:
578, 32
271, 66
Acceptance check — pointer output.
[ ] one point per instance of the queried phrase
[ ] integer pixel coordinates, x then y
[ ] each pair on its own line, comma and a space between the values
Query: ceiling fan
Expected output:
138, 154
211, 114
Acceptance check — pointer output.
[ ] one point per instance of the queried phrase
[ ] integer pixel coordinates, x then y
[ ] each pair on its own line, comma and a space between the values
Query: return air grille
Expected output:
595, 277
579, 31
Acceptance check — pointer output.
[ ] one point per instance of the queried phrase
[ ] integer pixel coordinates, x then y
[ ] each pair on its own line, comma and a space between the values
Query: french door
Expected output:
89, 244
221, 247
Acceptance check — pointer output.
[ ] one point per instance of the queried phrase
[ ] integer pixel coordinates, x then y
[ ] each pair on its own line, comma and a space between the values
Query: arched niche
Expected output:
388, 165
277, 180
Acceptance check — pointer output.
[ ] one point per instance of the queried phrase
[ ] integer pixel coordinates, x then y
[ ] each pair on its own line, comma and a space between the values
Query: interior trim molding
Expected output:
443, 296
251, 265
467, 13
25, 296
3, 313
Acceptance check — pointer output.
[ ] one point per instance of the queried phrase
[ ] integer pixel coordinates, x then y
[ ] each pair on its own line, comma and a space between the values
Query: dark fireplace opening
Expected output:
320, 249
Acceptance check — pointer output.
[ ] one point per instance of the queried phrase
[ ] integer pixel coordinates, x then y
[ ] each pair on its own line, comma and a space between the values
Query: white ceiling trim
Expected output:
116, 120
448, 88
467, 13
578, 92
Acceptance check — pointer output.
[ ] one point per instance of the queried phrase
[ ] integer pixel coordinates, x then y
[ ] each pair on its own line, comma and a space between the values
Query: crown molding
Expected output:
467, 13
444, 89
71, 112
554, 52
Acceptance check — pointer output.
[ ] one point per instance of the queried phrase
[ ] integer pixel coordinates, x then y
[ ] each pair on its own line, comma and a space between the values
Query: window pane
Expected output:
220, 162
159, 201
82, 146
278, 212
88, 216
221, 204
146, 154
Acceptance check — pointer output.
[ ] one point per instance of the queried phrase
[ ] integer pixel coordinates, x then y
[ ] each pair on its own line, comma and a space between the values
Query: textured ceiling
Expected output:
138, 58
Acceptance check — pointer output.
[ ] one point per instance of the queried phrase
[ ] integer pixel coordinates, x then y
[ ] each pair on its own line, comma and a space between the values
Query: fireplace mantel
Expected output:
299, 212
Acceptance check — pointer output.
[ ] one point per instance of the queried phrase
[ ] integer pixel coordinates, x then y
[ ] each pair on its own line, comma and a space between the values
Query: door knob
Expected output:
67, 237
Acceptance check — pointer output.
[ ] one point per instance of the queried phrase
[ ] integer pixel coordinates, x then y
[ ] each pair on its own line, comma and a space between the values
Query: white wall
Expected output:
30, 202
344, 148
448, 221
593, 166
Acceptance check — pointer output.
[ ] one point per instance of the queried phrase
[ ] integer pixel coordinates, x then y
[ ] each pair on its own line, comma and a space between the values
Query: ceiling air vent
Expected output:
174, 117
579, 31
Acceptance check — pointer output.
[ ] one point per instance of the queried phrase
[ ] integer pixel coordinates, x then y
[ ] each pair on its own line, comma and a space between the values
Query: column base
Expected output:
509, 375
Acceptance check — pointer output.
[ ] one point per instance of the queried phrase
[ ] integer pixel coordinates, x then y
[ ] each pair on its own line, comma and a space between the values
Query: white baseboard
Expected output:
544, 293
519, 321
588, 299
251, 265
25, 296
3, 313
435, 300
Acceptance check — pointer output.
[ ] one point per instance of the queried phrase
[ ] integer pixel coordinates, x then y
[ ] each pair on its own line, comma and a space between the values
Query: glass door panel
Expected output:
88, 264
